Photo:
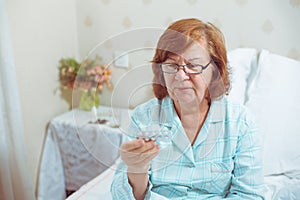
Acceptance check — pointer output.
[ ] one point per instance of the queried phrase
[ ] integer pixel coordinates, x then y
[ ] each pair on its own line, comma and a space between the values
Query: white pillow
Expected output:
274, 98
242, 62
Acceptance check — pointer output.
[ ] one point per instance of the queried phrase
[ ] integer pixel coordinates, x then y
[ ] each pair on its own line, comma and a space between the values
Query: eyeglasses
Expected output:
172, 68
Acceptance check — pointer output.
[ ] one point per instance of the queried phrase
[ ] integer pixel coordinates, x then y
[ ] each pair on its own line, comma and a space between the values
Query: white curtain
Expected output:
15, 179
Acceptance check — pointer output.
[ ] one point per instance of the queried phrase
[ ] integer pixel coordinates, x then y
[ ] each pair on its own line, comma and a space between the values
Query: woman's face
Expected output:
183, 87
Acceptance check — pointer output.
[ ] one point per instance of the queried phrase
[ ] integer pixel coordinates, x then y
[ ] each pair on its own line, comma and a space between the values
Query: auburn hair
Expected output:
180, 35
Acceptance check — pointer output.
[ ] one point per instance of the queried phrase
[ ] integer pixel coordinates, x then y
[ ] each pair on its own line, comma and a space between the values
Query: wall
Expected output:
42, 32
271, 24
268, 24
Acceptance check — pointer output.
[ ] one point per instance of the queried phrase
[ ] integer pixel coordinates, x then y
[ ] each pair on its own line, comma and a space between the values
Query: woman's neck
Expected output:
192, 117
192, 108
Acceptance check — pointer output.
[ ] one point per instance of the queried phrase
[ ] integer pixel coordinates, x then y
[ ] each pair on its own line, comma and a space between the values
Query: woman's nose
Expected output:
180, 74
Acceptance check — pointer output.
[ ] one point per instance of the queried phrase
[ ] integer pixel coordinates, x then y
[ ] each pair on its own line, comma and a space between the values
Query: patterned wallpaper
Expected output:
268, 24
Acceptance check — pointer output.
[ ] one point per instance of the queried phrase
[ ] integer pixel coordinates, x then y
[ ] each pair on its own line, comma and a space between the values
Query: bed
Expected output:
268, 84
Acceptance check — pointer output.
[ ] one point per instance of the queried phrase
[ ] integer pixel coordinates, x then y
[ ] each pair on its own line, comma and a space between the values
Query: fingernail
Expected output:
141, 142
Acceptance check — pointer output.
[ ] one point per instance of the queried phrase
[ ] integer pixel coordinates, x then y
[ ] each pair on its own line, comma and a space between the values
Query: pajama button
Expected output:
191, 165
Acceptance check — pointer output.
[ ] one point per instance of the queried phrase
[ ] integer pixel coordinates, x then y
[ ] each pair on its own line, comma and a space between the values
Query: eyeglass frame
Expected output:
184, 67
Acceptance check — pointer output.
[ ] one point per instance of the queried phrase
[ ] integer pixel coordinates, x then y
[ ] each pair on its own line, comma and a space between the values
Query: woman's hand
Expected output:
137, 154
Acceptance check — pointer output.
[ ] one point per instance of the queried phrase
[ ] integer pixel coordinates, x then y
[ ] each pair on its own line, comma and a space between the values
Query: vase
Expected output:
88, 100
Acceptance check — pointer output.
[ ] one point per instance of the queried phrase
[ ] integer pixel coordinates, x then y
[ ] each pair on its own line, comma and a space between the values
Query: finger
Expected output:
144, 148
141, 163
145, 156
150, 153
136, 153
132, 145
137, 158
149, 145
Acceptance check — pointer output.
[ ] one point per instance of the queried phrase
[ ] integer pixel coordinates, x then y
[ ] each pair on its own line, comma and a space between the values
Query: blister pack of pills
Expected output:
154, 132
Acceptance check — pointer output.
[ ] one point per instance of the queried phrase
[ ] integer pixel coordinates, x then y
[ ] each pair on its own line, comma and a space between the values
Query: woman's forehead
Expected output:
195, 51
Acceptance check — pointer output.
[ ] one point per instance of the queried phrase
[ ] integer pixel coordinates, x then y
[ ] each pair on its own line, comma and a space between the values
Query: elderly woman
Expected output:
211, 147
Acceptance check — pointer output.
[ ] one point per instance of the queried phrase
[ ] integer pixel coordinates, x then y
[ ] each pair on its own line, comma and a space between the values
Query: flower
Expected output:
86, 76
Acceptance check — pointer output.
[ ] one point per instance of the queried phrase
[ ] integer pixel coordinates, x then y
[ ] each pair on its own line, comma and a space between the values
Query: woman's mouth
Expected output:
183, 88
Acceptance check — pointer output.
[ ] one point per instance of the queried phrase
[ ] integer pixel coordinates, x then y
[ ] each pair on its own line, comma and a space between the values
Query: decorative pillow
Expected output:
274, 98
242, 62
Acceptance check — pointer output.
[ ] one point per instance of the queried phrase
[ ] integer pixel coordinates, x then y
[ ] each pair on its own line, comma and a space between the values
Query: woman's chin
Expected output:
185, 98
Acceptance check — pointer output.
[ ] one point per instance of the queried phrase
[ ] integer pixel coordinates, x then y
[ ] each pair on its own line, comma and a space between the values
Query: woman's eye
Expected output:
192, 66
173, 65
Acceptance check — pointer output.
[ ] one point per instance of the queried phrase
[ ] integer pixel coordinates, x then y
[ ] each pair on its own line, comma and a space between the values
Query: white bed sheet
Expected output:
277, 187
97, 188
283, 187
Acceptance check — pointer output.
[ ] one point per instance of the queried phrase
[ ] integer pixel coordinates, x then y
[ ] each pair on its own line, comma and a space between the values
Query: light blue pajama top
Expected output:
224, 161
